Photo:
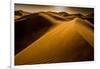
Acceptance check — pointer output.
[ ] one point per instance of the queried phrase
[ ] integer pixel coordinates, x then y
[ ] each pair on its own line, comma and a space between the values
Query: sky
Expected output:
37, 8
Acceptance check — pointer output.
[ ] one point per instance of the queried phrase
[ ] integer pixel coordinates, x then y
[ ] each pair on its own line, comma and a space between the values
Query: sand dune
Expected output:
31, 27
21, 13
68, 41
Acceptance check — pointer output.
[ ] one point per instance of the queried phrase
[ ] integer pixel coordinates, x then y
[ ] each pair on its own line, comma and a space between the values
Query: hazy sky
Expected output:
38, 8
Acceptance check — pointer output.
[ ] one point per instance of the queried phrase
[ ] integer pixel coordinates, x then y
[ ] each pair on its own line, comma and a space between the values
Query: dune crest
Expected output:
69, 41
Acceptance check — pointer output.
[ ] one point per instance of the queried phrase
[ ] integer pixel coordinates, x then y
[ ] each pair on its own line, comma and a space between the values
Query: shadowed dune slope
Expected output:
29, 28
66, 42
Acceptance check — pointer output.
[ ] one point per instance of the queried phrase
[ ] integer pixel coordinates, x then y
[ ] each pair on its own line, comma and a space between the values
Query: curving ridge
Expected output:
66, 42
31, 27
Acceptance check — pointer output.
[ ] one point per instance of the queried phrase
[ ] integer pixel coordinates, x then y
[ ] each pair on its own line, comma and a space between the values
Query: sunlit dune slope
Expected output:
66, 42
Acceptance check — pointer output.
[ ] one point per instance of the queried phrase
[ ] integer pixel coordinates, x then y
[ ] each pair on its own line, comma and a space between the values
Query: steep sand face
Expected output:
69, 41
30, 28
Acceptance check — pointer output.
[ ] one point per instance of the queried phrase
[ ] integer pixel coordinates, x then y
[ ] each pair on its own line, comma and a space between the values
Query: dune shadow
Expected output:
29, 29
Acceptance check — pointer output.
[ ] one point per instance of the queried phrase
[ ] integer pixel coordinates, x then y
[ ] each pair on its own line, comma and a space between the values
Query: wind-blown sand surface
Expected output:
63, 41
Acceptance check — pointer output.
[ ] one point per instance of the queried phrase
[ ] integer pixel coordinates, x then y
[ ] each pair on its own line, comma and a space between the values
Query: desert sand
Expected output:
60, 39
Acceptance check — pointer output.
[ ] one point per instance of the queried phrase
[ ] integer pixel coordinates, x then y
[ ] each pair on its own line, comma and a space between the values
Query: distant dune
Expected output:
20, 13
90, 17
48, 37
